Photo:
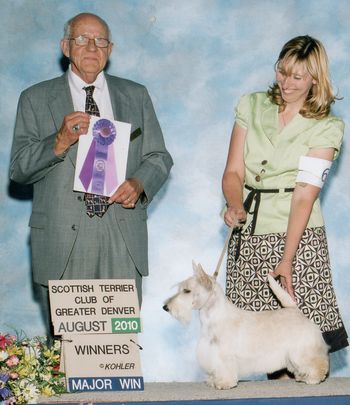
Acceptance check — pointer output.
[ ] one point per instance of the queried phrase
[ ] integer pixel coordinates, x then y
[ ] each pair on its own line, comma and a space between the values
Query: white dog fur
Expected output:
234, 343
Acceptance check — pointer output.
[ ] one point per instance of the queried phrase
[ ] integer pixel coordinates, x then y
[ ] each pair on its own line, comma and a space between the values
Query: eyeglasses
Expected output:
81, 40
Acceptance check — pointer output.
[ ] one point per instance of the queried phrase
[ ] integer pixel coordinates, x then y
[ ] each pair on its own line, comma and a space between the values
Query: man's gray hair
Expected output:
68, 25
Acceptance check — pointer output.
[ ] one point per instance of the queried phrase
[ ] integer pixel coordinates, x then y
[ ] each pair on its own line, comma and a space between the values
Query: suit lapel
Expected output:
269, 120
61, 104
121, 107
120, 102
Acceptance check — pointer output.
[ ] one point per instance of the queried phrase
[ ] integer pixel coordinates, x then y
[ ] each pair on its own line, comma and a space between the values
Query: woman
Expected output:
282, 146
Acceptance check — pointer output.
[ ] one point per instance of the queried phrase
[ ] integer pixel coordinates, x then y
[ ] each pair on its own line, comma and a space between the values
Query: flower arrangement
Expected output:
29, 368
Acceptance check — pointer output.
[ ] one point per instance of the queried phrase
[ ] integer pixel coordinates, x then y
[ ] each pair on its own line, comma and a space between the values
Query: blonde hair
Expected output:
310, 53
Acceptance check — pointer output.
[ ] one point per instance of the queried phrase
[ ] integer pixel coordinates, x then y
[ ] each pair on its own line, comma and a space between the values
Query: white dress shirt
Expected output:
101, 93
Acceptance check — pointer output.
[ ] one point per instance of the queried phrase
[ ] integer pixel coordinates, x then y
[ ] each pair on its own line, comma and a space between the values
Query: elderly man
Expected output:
76, 235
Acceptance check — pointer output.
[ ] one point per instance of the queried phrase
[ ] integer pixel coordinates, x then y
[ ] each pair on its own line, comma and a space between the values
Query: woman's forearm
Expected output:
301, 206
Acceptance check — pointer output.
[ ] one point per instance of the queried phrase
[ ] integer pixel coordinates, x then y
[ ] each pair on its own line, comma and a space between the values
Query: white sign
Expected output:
94, 306
102, 363
102, 156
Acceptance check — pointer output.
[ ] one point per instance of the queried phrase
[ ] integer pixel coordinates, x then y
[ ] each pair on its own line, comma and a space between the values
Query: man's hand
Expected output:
73, 125
128, 193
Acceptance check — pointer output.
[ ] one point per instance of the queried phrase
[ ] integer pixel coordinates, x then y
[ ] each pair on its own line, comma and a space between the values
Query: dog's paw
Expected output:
210, 383
312, 379
225, 385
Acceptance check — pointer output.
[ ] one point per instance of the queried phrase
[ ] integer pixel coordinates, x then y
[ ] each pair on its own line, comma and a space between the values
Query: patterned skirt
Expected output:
247, 286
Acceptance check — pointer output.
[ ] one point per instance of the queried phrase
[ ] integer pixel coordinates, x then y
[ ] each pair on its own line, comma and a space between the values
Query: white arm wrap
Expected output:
313, 170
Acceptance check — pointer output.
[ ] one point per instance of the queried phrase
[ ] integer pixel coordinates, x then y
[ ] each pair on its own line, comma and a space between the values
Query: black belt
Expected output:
255, 194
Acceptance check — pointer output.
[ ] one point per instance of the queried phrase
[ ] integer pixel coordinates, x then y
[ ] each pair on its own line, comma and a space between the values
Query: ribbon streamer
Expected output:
99, 167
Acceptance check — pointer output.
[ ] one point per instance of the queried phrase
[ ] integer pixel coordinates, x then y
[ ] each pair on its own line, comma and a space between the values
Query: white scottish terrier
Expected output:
235, 343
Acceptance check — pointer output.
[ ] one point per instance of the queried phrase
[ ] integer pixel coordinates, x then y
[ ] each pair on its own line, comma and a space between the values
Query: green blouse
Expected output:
272, 157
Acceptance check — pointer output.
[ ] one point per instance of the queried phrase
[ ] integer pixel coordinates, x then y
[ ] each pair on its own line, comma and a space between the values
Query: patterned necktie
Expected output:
95, 204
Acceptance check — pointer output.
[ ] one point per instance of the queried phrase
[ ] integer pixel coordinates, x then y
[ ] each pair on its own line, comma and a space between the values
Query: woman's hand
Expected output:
284, 271
235, 217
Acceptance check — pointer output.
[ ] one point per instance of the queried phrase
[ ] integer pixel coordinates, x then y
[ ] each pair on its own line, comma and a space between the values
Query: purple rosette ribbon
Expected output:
99, 167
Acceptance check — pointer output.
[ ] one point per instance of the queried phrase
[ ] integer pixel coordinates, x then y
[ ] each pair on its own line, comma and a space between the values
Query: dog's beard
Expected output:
185, 319
180, 310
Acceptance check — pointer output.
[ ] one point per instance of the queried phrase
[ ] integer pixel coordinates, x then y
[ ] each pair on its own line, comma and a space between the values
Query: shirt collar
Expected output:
78, 84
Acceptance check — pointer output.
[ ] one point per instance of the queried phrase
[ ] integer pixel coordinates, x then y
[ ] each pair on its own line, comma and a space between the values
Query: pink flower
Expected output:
13, 375
12, 361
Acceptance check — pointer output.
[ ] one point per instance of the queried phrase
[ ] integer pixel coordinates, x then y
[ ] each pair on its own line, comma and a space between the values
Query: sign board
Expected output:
94, 306
102, 362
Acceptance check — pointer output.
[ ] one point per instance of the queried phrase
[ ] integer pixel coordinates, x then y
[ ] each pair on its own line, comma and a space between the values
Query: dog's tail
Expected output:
283, 297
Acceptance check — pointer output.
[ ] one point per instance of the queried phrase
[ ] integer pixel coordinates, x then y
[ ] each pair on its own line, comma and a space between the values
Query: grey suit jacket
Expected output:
57, 209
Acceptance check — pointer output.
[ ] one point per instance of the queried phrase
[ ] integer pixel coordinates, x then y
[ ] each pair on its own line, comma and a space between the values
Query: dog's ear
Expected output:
203, 277
198, 270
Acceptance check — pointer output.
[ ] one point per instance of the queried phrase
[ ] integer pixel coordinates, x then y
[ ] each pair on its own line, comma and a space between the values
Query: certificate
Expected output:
102, 156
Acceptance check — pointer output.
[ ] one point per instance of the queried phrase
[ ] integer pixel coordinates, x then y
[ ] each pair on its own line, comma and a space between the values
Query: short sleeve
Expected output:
330, 135
242, 111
